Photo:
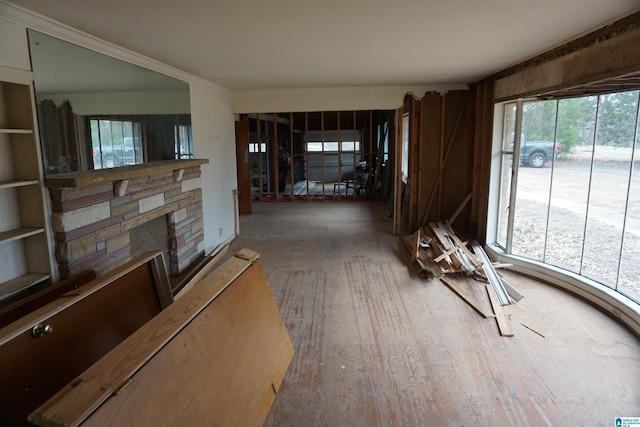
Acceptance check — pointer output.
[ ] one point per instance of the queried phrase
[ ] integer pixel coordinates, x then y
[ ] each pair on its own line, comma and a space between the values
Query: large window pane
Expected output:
629, 281
532, 206
629, 276
609, 183
570, 188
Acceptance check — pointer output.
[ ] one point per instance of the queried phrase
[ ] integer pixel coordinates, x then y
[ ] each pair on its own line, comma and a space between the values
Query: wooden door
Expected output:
243, 168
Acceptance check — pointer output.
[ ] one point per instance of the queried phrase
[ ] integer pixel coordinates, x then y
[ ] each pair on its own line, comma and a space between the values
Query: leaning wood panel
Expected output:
226, 353
85, 324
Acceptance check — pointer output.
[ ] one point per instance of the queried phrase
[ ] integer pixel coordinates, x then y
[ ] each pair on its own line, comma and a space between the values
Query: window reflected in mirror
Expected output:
116, 143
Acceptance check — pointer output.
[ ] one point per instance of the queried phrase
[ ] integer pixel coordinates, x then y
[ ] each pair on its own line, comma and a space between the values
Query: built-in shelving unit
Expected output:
24, 244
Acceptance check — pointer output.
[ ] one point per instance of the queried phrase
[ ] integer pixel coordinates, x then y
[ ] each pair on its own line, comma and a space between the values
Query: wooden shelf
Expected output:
20, 283
83, 178
19, 233
29, 262
18, 183
16, 131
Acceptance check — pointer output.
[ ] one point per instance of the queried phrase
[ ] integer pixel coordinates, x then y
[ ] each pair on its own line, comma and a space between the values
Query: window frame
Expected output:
623, 305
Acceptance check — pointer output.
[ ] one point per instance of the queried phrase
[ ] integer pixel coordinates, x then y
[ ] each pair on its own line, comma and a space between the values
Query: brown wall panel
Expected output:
458, 157
430, 152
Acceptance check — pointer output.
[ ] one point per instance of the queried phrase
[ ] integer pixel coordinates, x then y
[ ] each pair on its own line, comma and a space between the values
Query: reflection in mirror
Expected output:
95, 111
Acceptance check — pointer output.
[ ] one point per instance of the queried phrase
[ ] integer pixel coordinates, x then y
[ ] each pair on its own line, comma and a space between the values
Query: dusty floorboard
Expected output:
376, 345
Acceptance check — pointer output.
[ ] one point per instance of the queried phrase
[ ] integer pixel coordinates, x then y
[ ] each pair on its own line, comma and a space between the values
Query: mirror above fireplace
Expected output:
98, 112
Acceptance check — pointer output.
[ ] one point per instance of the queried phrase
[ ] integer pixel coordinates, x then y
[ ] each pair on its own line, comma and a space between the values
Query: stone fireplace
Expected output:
94, 214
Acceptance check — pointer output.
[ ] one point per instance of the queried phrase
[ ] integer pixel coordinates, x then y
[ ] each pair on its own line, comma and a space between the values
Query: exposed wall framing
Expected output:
441, 159
282, 167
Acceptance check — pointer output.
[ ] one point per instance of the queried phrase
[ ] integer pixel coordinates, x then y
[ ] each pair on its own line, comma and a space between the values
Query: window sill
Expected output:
612, 302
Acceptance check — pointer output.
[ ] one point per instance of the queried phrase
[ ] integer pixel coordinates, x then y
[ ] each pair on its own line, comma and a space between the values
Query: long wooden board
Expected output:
473, 302
208, 263
503, 322
217, 356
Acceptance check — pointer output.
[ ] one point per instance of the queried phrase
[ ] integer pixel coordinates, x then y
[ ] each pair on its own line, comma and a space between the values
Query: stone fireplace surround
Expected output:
93, 213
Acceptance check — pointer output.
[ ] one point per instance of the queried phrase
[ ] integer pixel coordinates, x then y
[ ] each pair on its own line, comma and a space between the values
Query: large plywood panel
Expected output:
224, 368
217, 356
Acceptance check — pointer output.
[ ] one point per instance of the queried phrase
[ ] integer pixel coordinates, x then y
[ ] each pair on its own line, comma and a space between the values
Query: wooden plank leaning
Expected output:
208, 263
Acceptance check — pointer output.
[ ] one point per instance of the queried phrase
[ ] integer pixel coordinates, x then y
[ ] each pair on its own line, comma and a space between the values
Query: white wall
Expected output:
14, 48
214, 139
329, 99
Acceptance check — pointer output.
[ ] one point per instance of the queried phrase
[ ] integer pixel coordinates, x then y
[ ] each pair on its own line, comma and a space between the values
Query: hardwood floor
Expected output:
376, 345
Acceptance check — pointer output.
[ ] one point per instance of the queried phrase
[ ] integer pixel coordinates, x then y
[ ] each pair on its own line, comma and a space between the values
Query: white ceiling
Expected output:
281, 44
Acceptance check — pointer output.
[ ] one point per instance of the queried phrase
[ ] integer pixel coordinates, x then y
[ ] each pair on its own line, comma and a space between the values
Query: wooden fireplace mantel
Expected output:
100, 176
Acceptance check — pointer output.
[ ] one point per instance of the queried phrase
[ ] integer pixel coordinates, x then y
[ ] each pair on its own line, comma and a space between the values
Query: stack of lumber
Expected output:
440, 251
441, 254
